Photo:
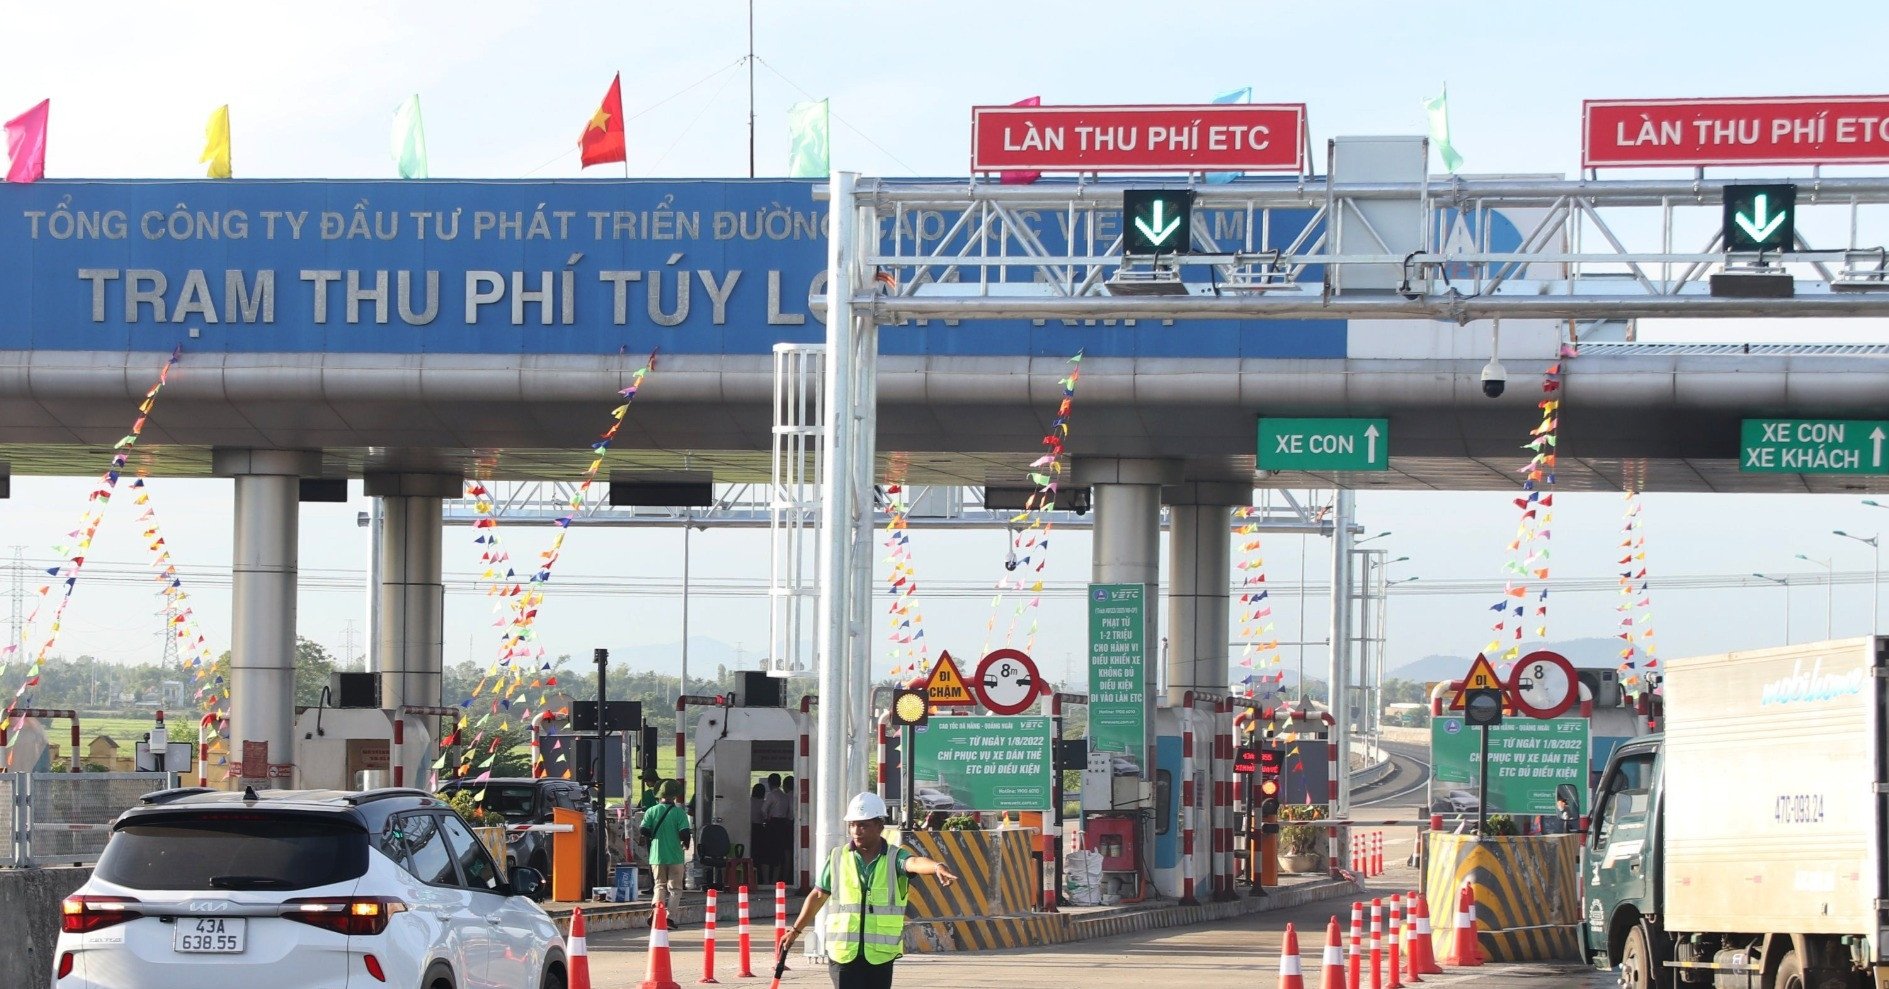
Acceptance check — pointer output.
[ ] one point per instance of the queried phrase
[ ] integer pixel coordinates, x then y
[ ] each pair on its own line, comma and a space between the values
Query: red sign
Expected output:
1799, 130
1218, 137
1007, 682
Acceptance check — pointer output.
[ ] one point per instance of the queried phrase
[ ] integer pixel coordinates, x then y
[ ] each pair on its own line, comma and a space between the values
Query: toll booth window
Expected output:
1163, 800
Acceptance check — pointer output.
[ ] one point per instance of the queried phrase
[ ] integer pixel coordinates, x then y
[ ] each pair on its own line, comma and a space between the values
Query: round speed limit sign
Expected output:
1007, 682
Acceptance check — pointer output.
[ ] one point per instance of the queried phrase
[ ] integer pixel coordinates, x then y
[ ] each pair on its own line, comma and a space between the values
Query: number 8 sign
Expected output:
1544, 684
1006, 682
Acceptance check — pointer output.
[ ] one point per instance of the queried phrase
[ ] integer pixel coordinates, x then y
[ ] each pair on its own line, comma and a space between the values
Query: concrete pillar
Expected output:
411, 597
1339, 671
1200, 550
262, 606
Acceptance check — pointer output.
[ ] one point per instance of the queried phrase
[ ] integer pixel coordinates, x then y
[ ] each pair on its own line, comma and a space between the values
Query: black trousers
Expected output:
860, 974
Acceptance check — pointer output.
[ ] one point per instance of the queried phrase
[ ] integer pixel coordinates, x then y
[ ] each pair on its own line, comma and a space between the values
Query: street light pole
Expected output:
1786, 581
1875, 576
1829, 593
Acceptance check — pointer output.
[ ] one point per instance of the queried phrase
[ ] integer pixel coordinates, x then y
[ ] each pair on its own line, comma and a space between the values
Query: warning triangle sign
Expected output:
1481, 676
947, 688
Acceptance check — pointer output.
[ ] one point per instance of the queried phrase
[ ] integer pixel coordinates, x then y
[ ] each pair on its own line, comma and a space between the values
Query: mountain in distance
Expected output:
1585, 654
704, 655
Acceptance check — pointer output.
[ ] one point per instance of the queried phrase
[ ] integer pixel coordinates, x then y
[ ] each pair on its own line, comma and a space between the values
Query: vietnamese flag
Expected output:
602, 140
1017, 177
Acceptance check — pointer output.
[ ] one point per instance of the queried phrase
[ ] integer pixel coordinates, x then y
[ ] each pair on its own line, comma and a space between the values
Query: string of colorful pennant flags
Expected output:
1257, 652
74, 553
1639, 659
910, 653
212, 694
1528, 567
1030, 529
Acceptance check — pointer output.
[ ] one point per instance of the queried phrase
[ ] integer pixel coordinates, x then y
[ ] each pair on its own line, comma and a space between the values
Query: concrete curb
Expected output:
1158, 918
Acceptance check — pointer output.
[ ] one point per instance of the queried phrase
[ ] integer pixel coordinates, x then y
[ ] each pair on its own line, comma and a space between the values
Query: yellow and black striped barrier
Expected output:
1528, 904
993, 903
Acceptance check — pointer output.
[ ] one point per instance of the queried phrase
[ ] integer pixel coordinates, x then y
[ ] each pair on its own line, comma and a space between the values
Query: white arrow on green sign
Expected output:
1812, 446
1324, 444
1156, 232
1756, 224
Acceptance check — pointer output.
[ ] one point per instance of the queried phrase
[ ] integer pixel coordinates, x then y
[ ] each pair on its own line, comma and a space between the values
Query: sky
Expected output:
506, 87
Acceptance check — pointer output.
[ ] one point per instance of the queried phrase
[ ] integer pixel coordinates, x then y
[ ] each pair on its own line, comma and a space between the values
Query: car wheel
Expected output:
438, 977
1641, 965
1790, 972
554, 979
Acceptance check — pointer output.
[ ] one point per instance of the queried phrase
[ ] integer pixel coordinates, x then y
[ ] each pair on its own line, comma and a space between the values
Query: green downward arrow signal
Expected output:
1157, 232
1756, 225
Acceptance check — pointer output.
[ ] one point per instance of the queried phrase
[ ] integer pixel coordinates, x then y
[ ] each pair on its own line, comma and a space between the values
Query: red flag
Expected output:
602, 140
1021, 178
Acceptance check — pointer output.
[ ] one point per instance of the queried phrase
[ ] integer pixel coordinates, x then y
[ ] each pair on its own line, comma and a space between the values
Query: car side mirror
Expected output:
526, 881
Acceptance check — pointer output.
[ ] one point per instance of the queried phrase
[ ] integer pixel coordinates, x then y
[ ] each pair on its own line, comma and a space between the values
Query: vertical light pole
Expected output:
1829, 589
1875, 576
1786, 581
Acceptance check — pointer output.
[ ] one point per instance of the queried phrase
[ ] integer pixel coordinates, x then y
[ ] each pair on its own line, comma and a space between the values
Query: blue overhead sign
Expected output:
500, 267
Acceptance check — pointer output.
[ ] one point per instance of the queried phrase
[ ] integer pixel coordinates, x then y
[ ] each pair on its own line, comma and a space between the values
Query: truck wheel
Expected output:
1641, 962
1790, 972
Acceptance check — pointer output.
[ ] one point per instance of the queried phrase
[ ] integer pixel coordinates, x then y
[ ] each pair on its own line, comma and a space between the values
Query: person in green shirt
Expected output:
667, 831
865, 880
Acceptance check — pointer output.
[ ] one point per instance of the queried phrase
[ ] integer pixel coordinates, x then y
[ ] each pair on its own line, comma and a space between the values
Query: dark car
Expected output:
523, 800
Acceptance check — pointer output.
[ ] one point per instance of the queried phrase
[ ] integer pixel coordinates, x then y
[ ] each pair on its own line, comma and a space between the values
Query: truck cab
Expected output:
1620, 866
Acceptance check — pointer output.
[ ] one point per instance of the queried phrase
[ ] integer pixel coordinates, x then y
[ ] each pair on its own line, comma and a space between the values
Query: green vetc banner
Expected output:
1118, 668
985, 763
1528, 758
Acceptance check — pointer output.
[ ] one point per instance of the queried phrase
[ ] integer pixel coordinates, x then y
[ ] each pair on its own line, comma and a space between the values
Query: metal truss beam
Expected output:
1489, 248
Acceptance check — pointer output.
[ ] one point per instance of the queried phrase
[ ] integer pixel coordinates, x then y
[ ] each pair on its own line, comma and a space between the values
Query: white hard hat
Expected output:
867, 806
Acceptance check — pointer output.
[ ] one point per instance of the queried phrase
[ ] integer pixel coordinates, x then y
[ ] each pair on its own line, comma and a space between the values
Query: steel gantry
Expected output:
1483, 248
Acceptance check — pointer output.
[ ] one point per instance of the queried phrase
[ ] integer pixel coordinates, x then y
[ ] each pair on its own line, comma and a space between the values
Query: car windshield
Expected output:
516, 803
234, 851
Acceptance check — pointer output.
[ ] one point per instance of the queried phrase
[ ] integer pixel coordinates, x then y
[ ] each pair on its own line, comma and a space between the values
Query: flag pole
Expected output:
626, 164
750, 90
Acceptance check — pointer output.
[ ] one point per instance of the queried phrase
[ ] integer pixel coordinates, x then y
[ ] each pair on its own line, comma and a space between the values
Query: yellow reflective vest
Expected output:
868, 916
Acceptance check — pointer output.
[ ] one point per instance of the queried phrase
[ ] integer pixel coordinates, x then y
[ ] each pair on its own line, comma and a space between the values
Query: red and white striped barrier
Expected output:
708, 939
741, 932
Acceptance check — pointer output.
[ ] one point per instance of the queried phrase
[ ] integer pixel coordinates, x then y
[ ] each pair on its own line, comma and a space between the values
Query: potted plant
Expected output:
1299, 841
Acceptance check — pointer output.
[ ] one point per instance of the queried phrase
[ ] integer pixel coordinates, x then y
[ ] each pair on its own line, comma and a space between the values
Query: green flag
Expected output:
409, 146
1439, 111
807, 149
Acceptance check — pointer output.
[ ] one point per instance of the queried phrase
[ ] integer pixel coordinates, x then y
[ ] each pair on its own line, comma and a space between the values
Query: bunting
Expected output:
517, 687
905, 622
1639, 656
1523, 607
1030, 529
194, 653
1259, 644
66, 575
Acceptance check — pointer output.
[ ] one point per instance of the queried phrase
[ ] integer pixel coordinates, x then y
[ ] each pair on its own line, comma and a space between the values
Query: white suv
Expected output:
311, 889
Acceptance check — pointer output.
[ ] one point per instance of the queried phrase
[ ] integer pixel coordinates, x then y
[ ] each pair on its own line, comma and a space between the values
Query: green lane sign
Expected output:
1118, 669
1760, 218
1812, 446
1324, 444
1157, 221
985, 763
1528, 758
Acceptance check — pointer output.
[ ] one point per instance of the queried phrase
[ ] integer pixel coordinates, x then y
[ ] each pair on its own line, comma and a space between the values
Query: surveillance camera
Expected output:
1494, 379
1010, 564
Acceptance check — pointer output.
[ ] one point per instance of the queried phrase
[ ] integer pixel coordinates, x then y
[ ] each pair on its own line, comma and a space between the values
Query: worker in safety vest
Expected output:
865, 880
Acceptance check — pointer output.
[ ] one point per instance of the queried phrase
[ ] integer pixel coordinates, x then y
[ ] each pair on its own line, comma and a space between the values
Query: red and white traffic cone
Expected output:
1291, 976
659, 975
1377, 944
1357, 866
577, 952
1332, 975
1422, 950
741, 932
780, 916
708, 939
1393, 947
1354, 959
1377, 853
1462, 943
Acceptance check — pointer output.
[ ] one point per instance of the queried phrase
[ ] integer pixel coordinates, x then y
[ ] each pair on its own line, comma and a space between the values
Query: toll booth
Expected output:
732, 744
1192, 791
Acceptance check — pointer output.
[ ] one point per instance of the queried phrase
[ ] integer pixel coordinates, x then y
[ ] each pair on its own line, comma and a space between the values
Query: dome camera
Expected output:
1494, 379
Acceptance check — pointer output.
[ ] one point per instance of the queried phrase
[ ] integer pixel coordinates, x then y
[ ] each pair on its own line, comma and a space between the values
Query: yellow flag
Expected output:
216, 143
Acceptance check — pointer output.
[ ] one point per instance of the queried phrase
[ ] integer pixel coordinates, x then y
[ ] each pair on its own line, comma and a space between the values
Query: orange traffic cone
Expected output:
658, 975
1291, 976
1393, 943
1354, 962
1422, 950
1377, 944
1333, 974
577, 953
1462, 943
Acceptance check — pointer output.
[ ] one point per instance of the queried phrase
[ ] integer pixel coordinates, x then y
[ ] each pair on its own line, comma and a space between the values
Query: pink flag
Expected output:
1021, 178
26, 144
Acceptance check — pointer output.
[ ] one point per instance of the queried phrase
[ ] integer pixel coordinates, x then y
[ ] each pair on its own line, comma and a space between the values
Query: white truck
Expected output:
1747, 845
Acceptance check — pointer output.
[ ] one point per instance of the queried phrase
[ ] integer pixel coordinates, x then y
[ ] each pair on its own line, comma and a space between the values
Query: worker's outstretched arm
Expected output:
808, 910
